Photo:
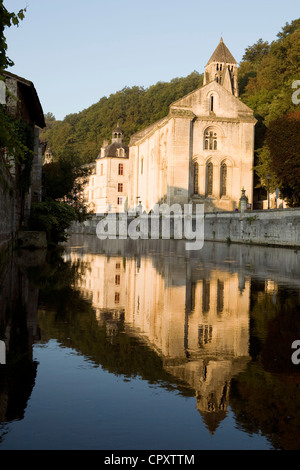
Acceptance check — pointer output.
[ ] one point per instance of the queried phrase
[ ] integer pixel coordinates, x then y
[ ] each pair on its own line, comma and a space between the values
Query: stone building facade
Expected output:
202, 152
23, 104
107, 190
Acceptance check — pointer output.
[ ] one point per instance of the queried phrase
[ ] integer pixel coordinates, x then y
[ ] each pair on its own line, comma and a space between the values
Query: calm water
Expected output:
120, 345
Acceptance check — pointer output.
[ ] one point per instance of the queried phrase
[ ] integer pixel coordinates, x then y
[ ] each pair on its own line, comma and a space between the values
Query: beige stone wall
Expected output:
102, 191
170, 149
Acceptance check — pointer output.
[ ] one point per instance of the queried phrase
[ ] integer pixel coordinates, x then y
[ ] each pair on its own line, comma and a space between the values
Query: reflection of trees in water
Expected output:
106, 344
18, 328
265, 398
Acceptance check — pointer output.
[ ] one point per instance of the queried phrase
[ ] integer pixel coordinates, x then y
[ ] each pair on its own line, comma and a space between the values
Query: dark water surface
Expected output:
119, 345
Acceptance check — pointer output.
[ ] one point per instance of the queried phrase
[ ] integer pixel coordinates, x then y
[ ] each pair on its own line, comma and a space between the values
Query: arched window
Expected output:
210, 175
210, 140
223, 179
196, 173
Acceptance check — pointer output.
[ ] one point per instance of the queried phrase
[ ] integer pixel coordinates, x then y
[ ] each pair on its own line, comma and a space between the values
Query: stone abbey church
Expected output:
201, 152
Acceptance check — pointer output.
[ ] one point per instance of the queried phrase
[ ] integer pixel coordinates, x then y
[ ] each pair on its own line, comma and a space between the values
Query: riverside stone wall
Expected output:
274, 227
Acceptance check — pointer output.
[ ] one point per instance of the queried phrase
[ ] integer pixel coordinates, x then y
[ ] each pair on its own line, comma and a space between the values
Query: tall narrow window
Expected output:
121, 169
196, 173
210, 175
193, 295
206, 296
220, 296
117, 279
211, 103
223, 179
120, 187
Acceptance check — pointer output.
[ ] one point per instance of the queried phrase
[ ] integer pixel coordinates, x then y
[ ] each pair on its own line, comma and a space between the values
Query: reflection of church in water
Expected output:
196, 319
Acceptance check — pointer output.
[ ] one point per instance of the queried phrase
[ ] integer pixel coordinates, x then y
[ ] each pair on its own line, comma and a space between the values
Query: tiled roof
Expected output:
111, 150
222, 54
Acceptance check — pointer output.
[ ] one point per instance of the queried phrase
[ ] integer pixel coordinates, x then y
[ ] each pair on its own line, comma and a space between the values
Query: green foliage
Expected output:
58, 179
266, 75
264, 169
80, 136
267, 72
52, 217
16, 136
283, 142
7, 19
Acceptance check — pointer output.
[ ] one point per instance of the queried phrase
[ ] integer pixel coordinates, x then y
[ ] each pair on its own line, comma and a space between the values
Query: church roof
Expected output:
222, 54
111, 150
118, 130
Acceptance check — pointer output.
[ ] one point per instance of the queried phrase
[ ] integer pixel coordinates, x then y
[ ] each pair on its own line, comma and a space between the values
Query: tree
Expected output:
257, 52
266, 75
283, 142
7, 19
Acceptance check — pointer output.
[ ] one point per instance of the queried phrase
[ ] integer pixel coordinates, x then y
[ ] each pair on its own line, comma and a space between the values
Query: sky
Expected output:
76, 52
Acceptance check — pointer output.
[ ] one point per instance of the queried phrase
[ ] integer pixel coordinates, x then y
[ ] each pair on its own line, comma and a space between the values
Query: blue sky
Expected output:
75, 52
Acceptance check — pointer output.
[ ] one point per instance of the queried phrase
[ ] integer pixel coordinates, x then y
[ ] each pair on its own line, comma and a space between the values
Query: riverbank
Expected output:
279, 227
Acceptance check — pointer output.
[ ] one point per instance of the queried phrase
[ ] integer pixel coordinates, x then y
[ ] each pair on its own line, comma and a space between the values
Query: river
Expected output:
123, 344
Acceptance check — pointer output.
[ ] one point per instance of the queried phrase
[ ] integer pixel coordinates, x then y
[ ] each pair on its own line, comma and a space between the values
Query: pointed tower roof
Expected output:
222, 54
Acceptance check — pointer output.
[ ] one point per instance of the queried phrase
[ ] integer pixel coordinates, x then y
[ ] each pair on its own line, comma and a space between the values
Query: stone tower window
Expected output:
121, 169
211, 108
210, 175
196, 173
223, 179
210, 140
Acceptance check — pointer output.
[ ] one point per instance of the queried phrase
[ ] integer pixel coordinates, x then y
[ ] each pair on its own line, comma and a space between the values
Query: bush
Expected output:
52, 217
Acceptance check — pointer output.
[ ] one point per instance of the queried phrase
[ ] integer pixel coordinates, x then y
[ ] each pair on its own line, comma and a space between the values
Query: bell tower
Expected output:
222, 67
117, 135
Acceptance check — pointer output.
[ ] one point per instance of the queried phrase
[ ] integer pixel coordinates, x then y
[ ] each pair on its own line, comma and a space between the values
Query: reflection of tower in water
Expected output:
196, 319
